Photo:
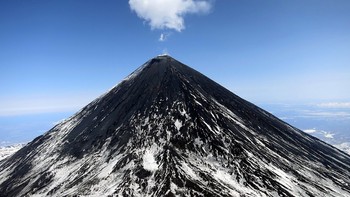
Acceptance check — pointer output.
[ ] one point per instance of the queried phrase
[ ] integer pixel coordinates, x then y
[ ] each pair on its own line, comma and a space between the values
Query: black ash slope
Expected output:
167, 130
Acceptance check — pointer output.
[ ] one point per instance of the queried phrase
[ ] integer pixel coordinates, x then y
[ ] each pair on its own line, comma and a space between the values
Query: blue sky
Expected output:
58, 55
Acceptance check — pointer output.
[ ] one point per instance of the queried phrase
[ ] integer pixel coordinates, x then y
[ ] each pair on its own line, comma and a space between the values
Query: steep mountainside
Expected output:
167, 130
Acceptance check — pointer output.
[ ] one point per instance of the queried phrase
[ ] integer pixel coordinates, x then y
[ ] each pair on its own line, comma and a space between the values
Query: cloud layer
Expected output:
344, 147
325, 134
335, 105
168, 14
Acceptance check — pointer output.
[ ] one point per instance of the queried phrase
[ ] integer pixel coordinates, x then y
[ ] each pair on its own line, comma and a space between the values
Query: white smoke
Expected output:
162, 37
168, 14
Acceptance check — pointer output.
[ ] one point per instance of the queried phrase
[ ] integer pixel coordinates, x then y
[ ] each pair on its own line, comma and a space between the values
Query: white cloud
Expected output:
335, 105
325, 134
329, 114
9, 150
43, 104
162, 37
168, 14
328, 135
344, 147
310, 130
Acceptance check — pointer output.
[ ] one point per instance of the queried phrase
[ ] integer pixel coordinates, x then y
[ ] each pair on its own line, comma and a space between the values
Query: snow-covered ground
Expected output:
6, 151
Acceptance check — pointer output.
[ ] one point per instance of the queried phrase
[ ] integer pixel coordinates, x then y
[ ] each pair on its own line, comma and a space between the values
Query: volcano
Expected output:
168, 130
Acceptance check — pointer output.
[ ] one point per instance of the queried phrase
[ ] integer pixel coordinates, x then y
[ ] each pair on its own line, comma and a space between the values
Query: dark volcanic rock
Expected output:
167, 130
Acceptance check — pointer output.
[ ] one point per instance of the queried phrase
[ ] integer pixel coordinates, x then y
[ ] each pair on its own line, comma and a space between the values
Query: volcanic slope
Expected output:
167, 130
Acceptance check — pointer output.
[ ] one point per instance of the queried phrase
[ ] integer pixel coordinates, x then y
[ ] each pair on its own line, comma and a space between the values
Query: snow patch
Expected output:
148, 161
282, 177
107, 168
198, 142
178, 124
198, 103
183, 113
227, 179
189, 171
173, 187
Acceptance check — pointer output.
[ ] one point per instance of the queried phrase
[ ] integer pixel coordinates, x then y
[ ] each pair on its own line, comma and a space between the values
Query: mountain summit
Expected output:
167, 130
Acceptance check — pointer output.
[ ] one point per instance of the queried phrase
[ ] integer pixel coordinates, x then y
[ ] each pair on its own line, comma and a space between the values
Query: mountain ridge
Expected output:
168, 130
